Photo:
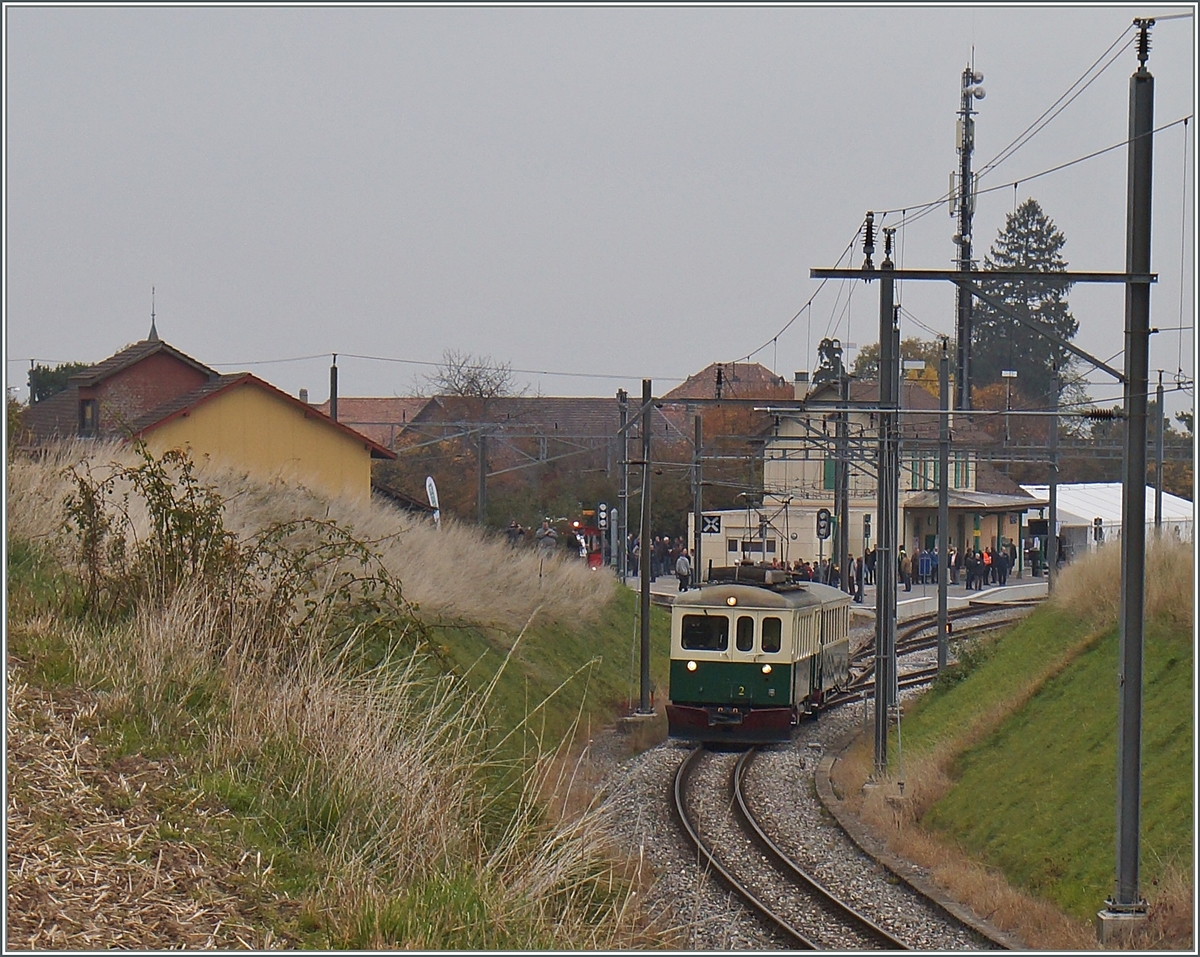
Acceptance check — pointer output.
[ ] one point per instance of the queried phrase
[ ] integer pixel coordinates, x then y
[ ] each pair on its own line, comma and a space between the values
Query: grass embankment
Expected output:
239, 732
1010, 763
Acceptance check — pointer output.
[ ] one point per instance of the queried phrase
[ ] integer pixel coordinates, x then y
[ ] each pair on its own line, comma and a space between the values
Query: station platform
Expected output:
921, 600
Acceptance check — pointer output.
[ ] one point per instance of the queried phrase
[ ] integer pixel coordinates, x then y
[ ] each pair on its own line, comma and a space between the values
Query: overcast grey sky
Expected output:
630, 192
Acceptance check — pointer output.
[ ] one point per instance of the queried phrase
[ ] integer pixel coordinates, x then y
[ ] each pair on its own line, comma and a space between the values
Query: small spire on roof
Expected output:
153, 337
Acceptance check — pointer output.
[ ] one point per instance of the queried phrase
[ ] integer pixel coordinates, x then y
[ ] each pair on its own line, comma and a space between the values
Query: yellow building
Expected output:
245, 423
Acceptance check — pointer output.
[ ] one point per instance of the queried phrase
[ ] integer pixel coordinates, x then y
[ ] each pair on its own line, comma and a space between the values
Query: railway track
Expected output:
793, 904
920, 634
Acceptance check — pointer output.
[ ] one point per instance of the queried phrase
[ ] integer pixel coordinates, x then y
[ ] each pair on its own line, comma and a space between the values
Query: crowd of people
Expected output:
670, 556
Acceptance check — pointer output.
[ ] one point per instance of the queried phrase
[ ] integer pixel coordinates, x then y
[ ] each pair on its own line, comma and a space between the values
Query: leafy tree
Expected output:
866, 363
15, 427
45, 381
1029, 242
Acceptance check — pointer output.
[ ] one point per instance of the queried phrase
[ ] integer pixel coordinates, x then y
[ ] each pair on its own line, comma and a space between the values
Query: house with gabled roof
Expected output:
150, 391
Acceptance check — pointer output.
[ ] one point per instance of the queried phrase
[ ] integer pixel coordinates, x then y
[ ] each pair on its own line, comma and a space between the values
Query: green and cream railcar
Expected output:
751, 652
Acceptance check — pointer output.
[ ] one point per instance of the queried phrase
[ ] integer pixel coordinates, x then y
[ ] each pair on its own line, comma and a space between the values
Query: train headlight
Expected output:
731, 600
766, 669
691, 666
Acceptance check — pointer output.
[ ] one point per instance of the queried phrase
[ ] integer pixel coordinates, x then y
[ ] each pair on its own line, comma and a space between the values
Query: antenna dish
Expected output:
976, 77
979, 92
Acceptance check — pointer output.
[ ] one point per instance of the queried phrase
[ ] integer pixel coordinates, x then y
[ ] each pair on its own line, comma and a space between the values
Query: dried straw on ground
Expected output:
92, 860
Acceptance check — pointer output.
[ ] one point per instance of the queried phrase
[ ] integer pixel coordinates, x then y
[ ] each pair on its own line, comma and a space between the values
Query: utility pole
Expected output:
623, 489
646, 545
1126, 904
697, 499
841, 483
333, 389
1052, 524
943, 533
885, 565
1158, 460
964, 205
481, 495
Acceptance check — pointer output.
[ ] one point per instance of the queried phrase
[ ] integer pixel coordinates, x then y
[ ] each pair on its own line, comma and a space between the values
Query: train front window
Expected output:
772, 634
745, 633
704, 632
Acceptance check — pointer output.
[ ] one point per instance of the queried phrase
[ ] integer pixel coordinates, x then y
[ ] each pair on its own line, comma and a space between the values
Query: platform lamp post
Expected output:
1009, 375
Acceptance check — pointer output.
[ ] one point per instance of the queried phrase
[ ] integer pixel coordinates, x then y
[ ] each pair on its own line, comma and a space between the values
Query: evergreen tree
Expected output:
1028, 242
45, 381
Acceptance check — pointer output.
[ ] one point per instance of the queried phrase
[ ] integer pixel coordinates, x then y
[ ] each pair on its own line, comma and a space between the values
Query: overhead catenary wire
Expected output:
926, 208
1034, 128
799, 312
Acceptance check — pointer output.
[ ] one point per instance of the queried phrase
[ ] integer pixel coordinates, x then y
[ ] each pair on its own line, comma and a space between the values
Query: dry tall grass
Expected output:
382, 768
456, 574
1091, 587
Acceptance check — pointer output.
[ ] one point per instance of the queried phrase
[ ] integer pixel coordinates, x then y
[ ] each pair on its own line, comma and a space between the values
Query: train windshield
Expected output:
705, 632
745, 633
772, 634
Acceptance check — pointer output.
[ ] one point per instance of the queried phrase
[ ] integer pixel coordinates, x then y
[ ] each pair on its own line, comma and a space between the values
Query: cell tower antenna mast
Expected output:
963, 202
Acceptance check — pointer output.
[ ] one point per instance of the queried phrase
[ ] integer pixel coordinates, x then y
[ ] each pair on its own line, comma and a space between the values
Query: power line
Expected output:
787, 325
1022, 138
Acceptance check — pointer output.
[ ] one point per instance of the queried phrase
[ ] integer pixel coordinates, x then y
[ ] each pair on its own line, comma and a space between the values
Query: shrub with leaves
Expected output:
274, 584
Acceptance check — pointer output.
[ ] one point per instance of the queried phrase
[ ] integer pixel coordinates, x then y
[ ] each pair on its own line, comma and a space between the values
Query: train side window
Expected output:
772, 634
704, 632
745, 633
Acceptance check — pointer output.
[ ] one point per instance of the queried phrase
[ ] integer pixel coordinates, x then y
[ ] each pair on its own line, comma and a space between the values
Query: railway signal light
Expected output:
602, 516
824, 523
1098, 529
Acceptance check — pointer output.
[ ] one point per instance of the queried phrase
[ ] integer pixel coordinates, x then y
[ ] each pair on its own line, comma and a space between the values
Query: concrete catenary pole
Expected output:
842, 484
1052, 522
623, 489
1158, 458
1126, 900
697, 499
943, 519
885, 565
647, 545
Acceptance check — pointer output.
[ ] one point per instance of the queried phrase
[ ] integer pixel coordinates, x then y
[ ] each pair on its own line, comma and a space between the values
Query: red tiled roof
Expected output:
130, 355
551, 416
190, 400
381, 419
749, 380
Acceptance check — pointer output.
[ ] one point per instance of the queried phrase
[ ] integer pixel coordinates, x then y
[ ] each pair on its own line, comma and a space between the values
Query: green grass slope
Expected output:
373, 777
554, 675
1034, 790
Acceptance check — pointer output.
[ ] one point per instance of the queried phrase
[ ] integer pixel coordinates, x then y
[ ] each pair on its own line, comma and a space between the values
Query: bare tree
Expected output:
480, 381
463, 374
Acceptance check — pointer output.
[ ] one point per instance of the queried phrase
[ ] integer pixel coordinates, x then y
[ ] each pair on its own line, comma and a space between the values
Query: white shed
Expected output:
1079, 506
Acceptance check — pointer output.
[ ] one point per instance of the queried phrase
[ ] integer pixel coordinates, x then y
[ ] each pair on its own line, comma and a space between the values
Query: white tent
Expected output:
1080, 505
